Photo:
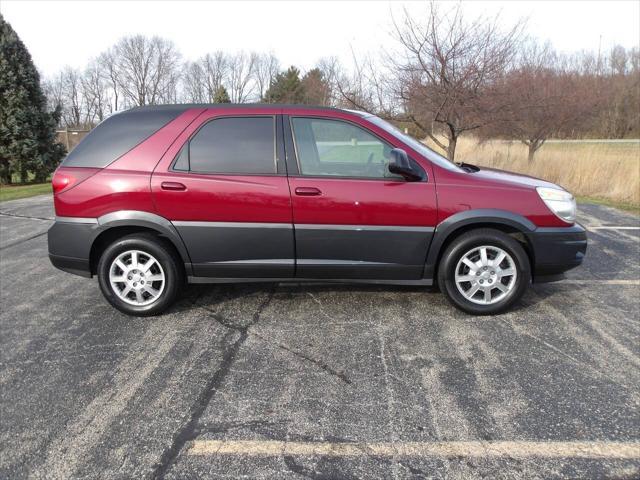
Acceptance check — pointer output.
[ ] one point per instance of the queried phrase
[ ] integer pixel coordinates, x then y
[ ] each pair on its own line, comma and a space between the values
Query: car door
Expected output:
225, 190
352, 217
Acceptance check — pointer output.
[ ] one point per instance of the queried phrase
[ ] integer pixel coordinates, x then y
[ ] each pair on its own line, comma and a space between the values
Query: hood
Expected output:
510, 179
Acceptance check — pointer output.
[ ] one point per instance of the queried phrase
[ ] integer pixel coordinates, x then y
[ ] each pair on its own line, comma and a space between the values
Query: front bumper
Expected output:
69, 241
556, 250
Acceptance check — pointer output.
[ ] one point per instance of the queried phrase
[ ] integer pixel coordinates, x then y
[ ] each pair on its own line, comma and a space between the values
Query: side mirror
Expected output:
400, 165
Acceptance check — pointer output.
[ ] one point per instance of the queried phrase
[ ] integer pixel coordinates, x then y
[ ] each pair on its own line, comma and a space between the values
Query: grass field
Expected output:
598, 170
23, 191
351, 153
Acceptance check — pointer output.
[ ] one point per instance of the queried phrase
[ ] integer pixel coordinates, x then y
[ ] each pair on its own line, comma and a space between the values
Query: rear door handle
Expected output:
308, 191
176, 186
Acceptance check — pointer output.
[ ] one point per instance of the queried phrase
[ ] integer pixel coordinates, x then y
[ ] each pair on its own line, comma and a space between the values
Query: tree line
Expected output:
444, 75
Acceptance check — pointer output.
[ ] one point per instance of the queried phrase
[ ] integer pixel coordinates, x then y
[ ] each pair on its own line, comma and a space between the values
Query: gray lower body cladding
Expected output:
367, 252
70, 245
557, 250
228, 251
245, 250
263, 250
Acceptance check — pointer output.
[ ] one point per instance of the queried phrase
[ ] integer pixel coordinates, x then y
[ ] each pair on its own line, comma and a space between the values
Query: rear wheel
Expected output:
484, 272
139, 275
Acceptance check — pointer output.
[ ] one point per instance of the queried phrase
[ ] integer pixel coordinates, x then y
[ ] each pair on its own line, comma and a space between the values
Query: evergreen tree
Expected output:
221, 95
286, 88
317, 90
27, 129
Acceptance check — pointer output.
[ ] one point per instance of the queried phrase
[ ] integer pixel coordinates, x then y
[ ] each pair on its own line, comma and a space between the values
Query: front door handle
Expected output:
176, 186
308, 191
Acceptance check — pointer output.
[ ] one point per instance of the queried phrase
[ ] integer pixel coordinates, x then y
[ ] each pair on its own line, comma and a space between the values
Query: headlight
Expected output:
559, 202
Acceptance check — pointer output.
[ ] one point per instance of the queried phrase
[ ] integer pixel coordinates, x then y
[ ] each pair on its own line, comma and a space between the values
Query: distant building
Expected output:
70, 137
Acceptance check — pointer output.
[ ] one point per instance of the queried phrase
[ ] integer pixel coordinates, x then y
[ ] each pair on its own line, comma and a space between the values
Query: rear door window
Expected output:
234, 145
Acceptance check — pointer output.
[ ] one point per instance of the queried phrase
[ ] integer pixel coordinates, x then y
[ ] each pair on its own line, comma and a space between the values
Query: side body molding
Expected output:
128, 218
466, 218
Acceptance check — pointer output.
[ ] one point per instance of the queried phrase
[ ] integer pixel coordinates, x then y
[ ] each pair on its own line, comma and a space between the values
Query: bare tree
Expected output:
109, 69
95, 92
545, 97
634, 60
447, 71
618, 60
193, 83
147, 69
204, 77
330, 68
365, 87
265, 69
72, 95
54, 91
240, 77
216, 69
620, 94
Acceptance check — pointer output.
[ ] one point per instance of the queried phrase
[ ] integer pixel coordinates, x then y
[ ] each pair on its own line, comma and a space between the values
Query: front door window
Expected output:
339, 149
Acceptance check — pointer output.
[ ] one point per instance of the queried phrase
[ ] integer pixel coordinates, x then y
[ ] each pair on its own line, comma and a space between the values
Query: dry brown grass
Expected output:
610, 171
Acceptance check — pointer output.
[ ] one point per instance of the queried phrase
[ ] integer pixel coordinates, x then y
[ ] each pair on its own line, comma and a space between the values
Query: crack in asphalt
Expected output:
23, 240
334, 469
15, 215
318, 363
189, 430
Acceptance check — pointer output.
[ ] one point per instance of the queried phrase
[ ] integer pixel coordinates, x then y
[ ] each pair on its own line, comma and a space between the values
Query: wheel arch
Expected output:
119, 224
452, 227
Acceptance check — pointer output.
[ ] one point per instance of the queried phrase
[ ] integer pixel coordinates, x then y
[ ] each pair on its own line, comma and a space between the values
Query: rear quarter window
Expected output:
118, 134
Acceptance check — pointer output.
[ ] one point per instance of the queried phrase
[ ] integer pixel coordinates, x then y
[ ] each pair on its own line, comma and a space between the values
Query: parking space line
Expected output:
498, 449
602, 282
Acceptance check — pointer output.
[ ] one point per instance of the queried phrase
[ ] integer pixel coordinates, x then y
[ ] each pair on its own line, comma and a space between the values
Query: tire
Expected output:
156, 288
504, 288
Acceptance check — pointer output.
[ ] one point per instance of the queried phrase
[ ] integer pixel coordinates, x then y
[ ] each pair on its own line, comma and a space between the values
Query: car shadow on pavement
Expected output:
209, 296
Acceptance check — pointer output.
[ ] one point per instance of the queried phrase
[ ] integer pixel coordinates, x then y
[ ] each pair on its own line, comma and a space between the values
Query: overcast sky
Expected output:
58, 33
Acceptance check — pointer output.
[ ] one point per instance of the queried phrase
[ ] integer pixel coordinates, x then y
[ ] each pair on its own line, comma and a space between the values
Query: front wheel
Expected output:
139, 275
484, 272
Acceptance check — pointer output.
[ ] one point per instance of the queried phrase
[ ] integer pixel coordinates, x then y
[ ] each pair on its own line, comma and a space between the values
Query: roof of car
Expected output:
266, 106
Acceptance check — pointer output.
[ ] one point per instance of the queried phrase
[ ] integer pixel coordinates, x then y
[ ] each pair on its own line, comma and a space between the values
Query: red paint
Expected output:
364, 202
223, 198
105, 192
458, 191
66, 177
127, 184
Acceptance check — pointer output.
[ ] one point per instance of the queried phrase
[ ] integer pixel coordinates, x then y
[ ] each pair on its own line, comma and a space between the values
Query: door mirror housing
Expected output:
400, 165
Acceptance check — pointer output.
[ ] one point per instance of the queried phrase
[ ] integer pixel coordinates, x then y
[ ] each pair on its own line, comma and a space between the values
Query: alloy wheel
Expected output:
137, 278
485, 275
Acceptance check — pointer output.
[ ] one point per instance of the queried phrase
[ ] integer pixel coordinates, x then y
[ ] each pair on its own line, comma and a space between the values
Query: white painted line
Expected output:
521, 449
603, 282
607, 227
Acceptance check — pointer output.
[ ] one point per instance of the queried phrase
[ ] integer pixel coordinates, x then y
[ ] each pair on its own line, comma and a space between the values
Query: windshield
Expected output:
415, 144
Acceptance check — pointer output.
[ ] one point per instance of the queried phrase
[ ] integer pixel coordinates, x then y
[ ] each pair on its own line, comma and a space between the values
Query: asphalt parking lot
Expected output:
319, 381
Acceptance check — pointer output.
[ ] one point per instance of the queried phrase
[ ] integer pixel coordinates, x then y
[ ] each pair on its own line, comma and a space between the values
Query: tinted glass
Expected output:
234, 145
118, 134
415, 144
182, 160
336, 148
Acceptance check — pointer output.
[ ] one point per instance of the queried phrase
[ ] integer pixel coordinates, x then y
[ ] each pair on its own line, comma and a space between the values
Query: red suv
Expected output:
158, 196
